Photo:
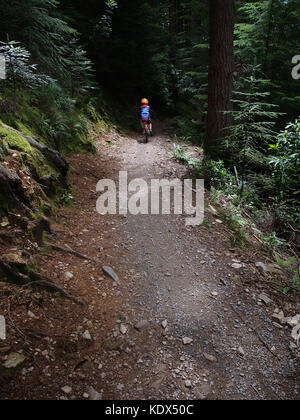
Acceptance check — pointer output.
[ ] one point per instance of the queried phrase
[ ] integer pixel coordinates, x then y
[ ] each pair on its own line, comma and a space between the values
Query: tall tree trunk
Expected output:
220, 73
268, 37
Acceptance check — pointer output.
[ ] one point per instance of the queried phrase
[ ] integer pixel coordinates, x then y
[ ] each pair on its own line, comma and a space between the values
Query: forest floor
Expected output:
218, 341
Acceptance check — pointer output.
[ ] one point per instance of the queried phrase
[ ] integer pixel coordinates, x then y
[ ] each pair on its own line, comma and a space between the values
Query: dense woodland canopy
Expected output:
230, 58
170, 310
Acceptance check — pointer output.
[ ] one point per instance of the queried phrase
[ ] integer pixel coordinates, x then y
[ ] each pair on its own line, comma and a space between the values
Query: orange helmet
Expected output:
145, 101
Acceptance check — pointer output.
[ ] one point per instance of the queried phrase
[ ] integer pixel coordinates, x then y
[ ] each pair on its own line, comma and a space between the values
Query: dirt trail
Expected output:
168, 272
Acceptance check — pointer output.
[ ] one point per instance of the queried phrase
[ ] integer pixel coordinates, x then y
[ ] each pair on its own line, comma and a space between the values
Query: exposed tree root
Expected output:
38, 279
34, 279
107, 270
41, 226
11, 274
12, 188
53, 155
72, 252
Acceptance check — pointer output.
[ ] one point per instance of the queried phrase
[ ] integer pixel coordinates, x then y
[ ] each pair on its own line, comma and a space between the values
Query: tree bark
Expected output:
268, 37
12, 189
220, 74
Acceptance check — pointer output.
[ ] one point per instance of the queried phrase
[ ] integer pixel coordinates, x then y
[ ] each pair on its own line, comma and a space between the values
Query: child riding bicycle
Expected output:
145, 115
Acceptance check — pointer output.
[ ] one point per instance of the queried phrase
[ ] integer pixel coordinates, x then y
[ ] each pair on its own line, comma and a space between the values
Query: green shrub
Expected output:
286, 162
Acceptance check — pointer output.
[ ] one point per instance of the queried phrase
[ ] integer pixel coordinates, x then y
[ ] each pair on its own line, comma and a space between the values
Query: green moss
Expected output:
25, 129
3, 151
46, 209
15, 141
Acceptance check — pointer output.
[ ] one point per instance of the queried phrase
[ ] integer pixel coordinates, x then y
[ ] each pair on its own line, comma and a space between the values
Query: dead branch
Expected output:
41, 280
72, 252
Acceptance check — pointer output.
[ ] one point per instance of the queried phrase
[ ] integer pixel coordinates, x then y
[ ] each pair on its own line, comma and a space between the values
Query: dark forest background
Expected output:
75, 61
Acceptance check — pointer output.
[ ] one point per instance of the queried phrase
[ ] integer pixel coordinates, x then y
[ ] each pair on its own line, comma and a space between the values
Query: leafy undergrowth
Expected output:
276, 264
251, 227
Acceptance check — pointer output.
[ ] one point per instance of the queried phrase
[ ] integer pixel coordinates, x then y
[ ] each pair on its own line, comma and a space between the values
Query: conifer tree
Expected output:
20, 73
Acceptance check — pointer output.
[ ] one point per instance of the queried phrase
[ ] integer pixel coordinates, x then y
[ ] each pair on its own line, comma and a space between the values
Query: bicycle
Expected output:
146, 130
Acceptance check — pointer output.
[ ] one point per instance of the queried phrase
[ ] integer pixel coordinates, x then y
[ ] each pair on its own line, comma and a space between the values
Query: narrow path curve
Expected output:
168, 272
182, 275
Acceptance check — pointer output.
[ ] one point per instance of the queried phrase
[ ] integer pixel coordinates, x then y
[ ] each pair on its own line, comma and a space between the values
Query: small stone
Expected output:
210, 358
30, 314
187, 340
215, 294
120, 387
164, 324
241, 351
67, 389
279, 316
141, 325
109, 271
265, 298
94, 395
237, 266
87, 335
294, 321
5, 222
123, 329
69, 275
188, 384
13, 360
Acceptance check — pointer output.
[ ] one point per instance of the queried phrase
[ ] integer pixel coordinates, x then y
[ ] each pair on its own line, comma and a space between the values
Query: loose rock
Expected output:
292, 322
69, 275
210, 358
108, 270
187, 340
241, 351
123, 329
188, 384
87, 335
67, 389
94, 395
141, 325
265, 298
237, 266
14, 360
164, 324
